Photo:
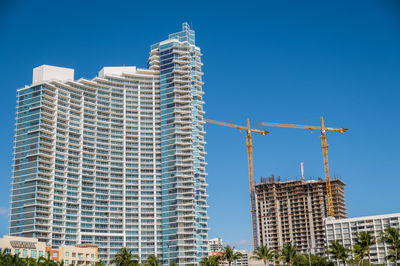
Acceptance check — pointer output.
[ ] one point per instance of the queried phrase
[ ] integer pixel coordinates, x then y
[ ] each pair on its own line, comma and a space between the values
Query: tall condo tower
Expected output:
118, 160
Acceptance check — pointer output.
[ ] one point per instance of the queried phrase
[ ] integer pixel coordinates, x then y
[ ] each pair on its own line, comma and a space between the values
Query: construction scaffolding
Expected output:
293, 211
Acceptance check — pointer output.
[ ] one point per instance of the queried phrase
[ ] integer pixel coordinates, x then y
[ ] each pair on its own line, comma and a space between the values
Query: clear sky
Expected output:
272, 61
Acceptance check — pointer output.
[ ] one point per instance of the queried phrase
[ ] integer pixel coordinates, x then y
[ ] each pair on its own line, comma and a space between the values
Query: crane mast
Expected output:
324, 146
249, 146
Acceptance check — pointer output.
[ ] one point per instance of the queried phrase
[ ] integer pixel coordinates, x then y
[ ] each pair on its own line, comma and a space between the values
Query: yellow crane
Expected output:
251, 170
324, 146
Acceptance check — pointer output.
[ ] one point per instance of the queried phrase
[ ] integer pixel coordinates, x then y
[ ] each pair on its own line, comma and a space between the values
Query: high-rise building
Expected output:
293, 211
345, 232
118, 160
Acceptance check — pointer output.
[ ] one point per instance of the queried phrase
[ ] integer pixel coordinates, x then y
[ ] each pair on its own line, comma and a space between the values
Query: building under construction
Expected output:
293, 211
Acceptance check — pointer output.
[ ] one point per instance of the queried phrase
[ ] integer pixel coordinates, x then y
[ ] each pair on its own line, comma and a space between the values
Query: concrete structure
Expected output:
33, 248
346, 230
118, 160
215, 245
293, 211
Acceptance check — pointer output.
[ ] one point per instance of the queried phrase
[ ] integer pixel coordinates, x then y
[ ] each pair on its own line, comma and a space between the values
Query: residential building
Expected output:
215, 245
33, 248
345, 231
117, 160
293, 211
24, 246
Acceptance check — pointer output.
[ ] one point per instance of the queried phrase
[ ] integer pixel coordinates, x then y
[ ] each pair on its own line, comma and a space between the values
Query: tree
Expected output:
359, 253
391, 237
99, 263
364, 241
210, 261
173, 263
288, 253
229, 254
303, 259
152, 260
338, 251
264, 253
125, 258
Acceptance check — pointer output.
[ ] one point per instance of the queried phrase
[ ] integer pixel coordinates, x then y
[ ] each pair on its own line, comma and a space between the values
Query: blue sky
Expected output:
273, 61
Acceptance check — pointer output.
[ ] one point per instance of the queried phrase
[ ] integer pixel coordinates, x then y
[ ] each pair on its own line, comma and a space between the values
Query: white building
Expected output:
117, 160
215, 245
346, 230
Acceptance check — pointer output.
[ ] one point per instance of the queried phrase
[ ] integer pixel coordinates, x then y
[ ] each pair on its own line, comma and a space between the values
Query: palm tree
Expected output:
30, 262
152, 260
288, 253
229, 254
210, 261
125, 258
99, 263
359, 253
264, 253
391, 237
338, 251
365, 240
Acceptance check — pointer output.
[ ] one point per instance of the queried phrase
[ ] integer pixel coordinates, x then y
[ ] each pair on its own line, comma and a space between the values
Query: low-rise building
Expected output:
33, 248
345, 232
215, 245
24, 246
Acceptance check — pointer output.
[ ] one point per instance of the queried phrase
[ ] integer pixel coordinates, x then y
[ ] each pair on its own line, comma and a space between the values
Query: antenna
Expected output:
302, 170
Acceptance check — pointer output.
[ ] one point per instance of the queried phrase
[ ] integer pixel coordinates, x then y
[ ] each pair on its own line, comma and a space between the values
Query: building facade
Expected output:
345, 231
293, 211
215, 245
115, 161
32, 248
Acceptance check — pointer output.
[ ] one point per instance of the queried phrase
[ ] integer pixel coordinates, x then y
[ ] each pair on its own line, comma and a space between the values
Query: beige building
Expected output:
24, 246
293, 211
31, 247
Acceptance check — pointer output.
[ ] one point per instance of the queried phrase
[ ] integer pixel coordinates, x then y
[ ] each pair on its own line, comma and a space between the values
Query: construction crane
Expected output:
324, 146
251, 170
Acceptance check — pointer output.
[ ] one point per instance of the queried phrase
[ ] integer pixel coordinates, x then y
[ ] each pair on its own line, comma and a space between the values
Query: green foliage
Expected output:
363, 244
229, 254
303, 259
210, 261
264, 253
288, 253
152, 260
391, 237
338, 251
125, 258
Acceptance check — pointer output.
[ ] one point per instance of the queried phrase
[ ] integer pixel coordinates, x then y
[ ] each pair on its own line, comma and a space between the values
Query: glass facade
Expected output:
116, 161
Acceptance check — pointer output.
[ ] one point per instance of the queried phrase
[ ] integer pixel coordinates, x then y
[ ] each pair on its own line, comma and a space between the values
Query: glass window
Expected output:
67, 254
24, 253
40, 253
33, 254
16, 251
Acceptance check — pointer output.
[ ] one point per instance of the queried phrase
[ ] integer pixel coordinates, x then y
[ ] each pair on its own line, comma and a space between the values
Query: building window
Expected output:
24, 253
33, 254
67, 254
16, 251
73, 254
40, 253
